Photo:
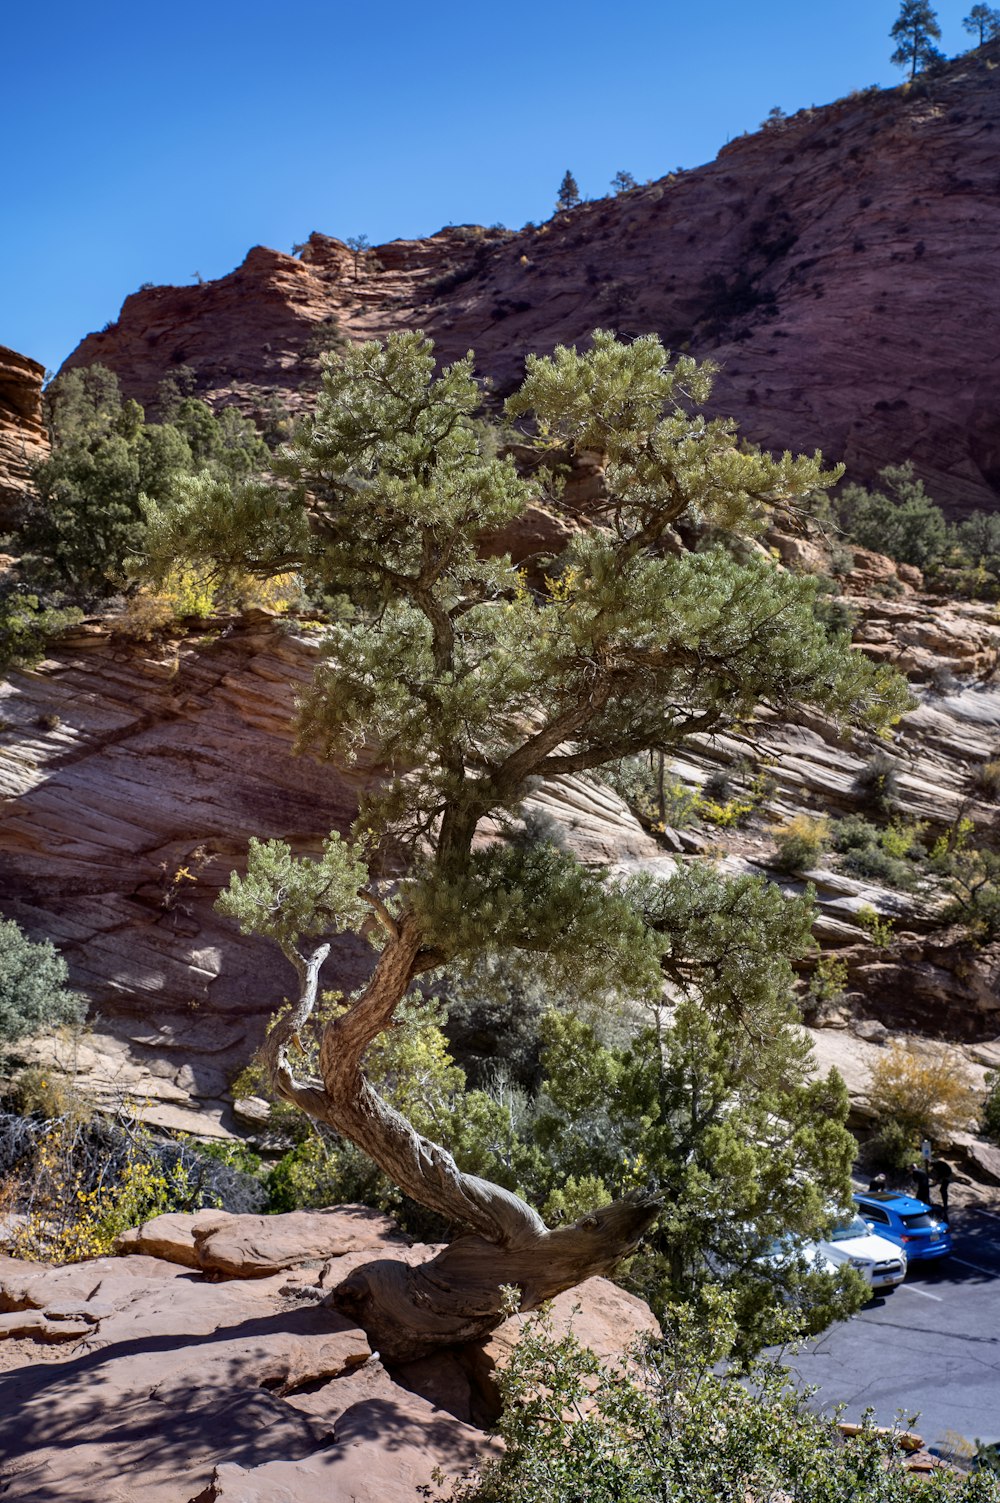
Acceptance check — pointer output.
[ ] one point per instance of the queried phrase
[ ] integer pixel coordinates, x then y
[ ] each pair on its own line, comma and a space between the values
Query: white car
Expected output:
877, 1259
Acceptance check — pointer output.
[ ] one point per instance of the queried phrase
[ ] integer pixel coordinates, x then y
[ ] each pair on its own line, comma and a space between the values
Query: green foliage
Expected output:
86, 515
829, 979
623, 182
76, 1178
578, 928
727, 797
448, 656
990, 1119
972, 876
877, 928
901, 520
455, 686
675, 1423
983, 22
916, 29
569, 193
411, 1069
286, 898
830, 608
712, 1104
27, 624
33, 992
892, 854
494, 1013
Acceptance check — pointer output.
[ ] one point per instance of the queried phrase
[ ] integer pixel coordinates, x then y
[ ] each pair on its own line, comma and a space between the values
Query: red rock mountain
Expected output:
840, 266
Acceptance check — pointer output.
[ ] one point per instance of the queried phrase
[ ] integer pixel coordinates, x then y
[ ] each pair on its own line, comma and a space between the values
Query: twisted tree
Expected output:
458, 686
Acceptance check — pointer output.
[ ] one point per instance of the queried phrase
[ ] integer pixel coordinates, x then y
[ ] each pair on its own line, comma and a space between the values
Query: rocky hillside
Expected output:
839, 265
132, 775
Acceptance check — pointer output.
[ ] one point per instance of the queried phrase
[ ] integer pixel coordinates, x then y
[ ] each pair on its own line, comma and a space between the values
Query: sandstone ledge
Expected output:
152, 1371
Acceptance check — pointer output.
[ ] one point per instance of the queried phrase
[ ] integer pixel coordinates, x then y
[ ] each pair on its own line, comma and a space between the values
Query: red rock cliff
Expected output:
840, 267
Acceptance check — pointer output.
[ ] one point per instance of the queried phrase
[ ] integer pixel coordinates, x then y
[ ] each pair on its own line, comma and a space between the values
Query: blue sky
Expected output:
154, 143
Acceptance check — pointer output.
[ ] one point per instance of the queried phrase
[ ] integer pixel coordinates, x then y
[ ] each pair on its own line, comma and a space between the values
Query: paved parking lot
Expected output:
931, 1347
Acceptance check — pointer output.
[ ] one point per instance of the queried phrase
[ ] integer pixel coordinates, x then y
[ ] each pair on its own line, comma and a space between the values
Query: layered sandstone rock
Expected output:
838, 266
23, 438
140, 1371
132, 776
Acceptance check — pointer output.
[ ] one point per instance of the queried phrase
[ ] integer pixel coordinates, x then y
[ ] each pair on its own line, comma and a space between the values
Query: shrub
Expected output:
185, 594
986, 780
925, 1096
990, 1119
972, 876
33, 992
79, 1180
801, 842
880, 929
828, 982
877, 783
672, 1422
27, 625
890, 854
901, 520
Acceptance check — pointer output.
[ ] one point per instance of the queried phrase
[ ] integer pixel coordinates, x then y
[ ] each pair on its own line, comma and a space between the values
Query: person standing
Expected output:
921, 1178
943, 1176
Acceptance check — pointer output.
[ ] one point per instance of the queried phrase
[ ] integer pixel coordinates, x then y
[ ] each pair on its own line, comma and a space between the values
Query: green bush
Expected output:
33, 992
991, 1108
877, 783
901, 520
86, 516
665, 1425
890, 854
27, 624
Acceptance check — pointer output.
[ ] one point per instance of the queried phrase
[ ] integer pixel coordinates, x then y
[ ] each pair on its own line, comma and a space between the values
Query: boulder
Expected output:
253, 1247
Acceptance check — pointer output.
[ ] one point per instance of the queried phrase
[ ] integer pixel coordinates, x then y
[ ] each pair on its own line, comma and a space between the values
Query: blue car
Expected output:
920, 1231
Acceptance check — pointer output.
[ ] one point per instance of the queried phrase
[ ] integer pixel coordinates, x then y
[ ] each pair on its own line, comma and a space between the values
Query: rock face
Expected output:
22, 434
132, 778
139, 1377
839, 266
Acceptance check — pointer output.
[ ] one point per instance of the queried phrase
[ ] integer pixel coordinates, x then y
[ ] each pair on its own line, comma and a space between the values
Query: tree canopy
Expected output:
983, 22
916, 30
455, 681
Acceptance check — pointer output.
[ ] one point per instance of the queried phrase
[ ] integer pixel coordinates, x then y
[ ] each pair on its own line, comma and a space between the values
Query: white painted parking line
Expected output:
991, 1273
978, 1211
923, 1292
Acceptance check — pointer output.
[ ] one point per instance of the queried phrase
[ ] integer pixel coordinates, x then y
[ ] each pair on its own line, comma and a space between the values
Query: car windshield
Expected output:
919, 1220
845, 1229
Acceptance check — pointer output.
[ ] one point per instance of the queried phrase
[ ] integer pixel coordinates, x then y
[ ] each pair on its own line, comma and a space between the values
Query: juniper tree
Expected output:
915, 29
983, 21
454, 685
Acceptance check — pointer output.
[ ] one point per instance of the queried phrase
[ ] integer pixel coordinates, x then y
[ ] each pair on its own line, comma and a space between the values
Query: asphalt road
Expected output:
930, 1348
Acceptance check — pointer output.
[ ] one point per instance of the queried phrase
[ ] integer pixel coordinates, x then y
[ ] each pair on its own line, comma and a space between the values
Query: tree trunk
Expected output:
458, 1295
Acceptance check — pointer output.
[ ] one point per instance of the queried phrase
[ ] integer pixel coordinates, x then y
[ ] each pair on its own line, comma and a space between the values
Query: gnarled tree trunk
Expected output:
458, 1295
